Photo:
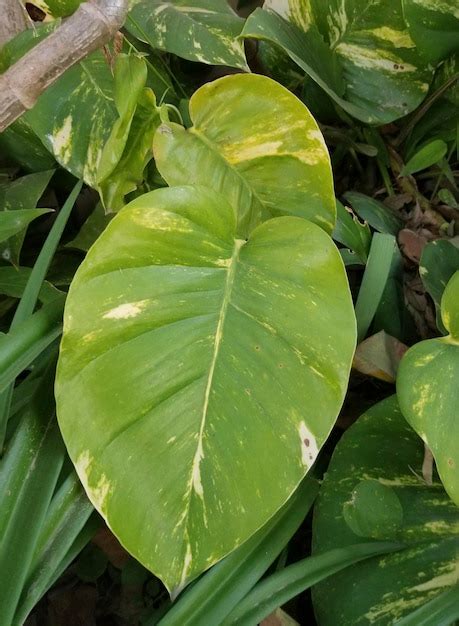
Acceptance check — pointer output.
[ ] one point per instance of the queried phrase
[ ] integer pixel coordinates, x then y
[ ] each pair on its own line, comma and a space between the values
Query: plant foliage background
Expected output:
229, 299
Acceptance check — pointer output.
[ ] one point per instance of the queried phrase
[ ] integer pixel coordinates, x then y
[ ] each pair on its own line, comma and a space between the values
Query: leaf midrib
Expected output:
195, 467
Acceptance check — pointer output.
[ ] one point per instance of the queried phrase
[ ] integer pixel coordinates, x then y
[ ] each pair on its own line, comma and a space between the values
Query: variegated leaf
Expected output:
382, 447
100, 124
137, 152
428, 391
256, 143
434, 26
200, 373
198, 30
74, 117
129, 146
57, 8
384, 75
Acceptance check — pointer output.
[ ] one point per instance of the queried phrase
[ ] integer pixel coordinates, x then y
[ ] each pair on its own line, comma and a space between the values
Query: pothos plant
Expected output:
209, 333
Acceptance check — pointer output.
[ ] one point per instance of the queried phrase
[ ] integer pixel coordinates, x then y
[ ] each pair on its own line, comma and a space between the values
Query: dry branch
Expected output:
89, 28
13, 20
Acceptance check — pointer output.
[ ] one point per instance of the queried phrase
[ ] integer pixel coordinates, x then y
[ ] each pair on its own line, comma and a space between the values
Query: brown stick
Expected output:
14, 20
89, 28
427, 465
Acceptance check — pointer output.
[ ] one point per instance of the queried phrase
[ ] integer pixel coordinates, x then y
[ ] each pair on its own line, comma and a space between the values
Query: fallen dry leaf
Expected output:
379, 356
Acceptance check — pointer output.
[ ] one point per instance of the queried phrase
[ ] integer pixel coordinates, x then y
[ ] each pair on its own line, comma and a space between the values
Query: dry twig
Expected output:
88, 29
13, 20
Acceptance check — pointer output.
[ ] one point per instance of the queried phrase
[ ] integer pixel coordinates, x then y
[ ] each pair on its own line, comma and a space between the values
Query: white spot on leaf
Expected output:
309, 449
62, 139
125, 311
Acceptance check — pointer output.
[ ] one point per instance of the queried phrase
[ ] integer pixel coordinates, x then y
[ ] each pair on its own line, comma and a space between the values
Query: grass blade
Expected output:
28, 477
282, 586
68, 514
383, 247
30, 296
25, 343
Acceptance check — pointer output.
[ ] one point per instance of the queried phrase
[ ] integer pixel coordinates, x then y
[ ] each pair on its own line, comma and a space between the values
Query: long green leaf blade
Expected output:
68, 514
28, 477
22, 345
37, 276
374, 280
282, 586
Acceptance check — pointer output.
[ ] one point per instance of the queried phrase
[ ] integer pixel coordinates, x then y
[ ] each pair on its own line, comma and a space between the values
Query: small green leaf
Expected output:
197, 30
427, 390
14, 280
373, 510
137, 152
447, 197
14, 222
428, 155
380, 217
352, 233
21, 194
130, 75
24, 192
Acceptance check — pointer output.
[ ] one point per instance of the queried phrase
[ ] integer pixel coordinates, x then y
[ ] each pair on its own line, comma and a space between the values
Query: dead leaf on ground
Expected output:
411, 244
379, 356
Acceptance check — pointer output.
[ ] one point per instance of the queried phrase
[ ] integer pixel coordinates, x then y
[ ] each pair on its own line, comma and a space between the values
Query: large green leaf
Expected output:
14, 280
74, 117
382, 447
434, 26
197, 30
200, 373
384, 76
428, 391
256, 143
